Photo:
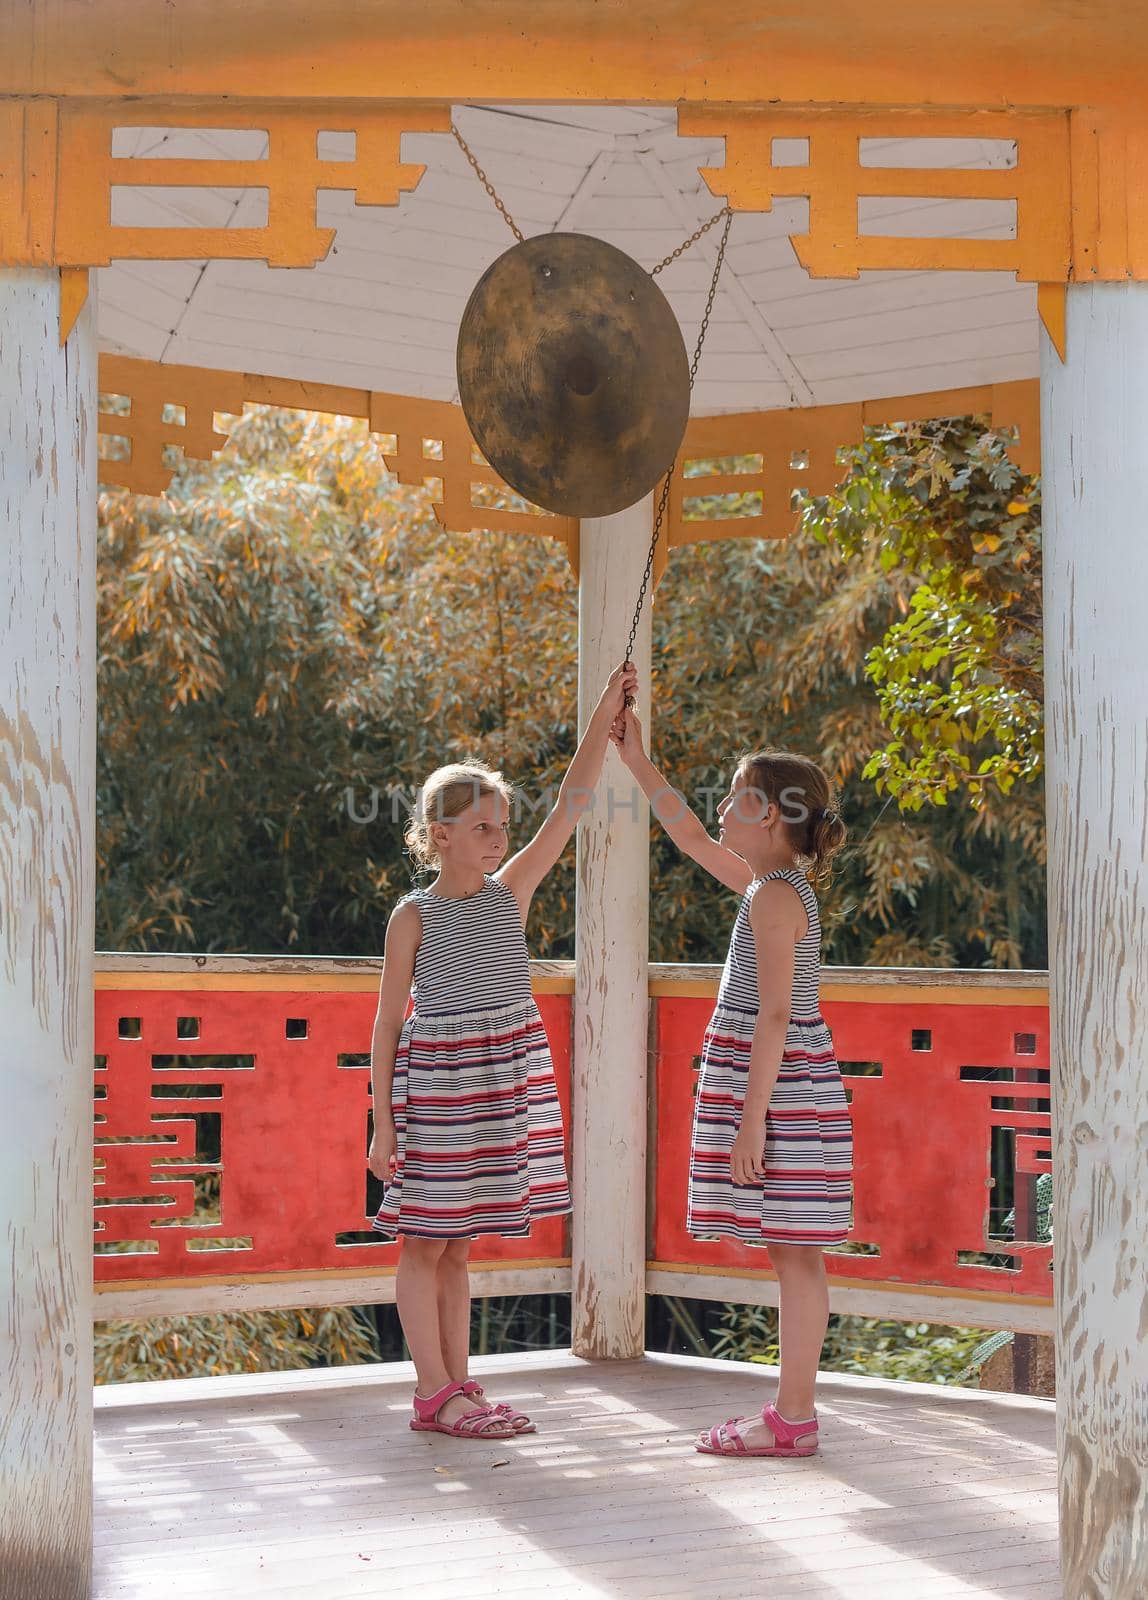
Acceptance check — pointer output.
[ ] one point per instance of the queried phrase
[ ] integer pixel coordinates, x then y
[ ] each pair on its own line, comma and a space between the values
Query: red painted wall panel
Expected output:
291, 1134
922, 1137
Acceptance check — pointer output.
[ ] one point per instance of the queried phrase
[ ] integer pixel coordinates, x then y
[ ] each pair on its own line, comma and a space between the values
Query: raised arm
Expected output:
526, 870
684, 826
404, 932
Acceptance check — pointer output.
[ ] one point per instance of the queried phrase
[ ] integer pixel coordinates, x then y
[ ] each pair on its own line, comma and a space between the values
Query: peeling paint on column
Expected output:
39, 814
610, 994
47, 880
1095, 419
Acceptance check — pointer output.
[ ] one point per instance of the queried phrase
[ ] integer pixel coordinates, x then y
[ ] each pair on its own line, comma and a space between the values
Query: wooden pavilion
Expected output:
204, 205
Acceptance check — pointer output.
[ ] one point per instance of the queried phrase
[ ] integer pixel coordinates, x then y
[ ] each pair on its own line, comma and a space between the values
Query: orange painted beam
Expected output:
979, 52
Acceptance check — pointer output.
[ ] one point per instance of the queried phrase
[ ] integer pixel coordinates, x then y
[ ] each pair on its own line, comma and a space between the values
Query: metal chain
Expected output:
663, 499
487, 185
517, 232
693, 239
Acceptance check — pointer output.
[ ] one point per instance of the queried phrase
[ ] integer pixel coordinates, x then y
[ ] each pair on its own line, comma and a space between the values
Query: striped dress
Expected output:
478, 1126
806, 1195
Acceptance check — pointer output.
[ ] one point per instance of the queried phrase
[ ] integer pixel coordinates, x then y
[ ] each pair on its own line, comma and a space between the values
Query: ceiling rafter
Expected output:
800, 392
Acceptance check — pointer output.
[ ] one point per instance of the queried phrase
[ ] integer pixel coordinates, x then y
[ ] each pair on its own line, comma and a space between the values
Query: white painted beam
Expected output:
579, 201
856, 1299
47, 885
610, 983
283, 1291
1094, 428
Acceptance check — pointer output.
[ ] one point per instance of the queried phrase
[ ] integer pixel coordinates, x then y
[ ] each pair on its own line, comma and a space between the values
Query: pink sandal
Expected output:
726, 1439
483, 1423
518, 1420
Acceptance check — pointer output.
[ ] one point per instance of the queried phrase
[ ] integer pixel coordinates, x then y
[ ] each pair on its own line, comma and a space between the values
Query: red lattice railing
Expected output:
232, 1106
232, 1130
950, 1103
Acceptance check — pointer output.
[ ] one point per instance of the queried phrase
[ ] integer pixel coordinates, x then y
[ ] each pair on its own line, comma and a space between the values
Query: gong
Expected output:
573, 375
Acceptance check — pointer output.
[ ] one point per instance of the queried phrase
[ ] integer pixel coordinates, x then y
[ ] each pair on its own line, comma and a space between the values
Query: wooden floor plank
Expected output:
816, 1514
309, 1487
487, 1539
583, 1552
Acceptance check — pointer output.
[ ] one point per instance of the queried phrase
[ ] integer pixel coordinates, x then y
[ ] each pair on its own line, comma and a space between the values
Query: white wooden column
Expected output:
1094, 419
47, 879
612, 954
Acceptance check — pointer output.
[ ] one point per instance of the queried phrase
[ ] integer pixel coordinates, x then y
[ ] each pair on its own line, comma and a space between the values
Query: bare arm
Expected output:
404, 933
526, 870
684, 826
778, 920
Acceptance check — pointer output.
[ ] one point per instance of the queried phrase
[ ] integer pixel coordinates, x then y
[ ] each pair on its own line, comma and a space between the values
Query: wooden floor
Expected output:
310, 1486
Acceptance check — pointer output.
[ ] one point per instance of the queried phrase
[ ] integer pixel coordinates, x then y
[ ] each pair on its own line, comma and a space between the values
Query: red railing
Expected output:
231, 1129
950, 1103
232, 1104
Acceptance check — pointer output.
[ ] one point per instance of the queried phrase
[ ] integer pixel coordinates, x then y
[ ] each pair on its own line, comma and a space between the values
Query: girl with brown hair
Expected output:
771, 1154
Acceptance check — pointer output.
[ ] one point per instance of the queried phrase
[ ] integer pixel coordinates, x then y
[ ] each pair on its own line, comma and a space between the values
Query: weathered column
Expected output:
610, 994
47, 879
1094, 418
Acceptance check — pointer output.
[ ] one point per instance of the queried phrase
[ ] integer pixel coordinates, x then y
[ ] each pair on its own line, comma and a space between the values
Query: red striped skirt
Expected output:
478, 1127
806, 1195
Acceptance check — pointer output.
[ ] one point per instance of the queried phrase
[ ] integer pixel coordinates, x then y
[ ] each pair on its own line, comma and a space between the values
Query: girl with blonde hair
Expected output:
468, 1130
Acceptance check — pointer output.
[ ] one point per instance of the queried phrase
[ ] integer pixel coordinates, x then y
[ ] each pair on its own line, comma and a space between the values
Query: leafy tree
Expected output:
960, 676
212, 1346
288, 626
283, 635
760, 642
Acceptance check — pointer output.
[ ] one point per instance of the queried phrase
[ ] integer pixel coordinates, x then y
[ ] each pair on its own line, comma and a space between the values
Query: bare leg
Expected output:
804, 1316
417, 1295
454, 1314
453, 1288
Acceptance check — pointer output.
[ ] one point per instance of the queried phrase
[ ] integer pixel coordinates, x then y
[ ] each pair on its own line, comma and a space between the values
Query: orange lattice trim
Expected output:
58, 177
1075, 184
835, 182
427, 443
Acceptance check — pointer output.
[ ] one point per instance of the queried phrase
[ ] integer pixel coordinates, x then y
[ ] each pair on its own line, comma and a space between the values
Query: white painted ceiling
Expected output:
382, 311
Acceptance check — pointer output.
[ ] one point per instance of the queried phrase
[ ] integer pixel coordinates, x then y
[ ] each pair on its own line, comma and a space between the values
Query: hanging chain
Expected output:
487, 185
663, 499
517, 232
693, 239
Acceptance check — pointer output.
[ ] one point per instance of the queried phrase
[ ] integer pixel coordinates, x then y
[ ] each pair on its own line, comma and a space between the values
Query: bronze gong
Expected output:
573, 375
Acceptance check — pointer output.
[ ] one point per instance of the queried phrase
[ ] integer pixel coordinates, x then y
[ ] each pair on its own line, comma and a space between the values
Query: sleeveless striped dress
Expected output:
478, 1126
806, 1195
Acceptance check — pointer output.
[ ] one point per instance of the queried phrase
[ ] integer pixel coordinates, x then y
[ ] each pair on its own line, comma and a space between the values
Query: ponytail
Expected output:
800, 788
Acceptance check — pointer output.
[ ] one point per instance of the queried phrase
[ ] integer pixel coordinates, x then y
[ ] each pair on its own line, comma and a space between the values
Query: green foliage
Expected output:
985, 1350
211, 1346
500, 1323
767, 643
285, 632
916, 1352
960, 676
288, 626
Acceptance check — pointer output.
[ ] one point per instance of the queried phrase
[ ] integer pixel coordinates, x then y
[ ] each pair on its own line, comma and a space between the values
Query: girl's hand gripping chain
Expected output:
626, 736
621, 687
